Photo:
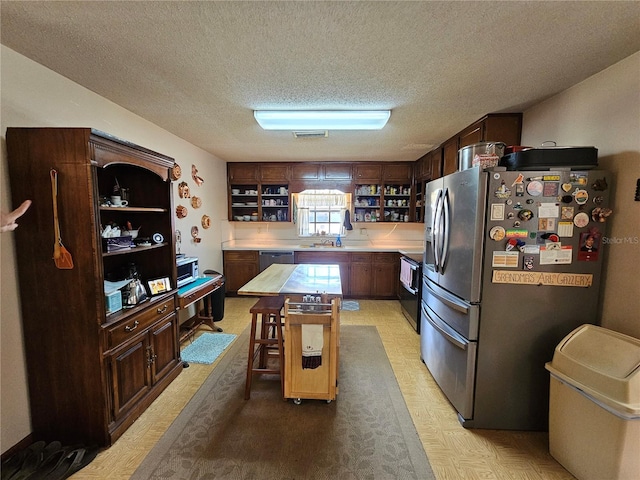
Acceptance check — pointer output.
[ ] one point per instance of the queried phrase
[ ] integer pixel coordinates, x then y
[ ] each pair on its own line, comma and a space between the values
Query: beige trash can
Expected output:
594, 404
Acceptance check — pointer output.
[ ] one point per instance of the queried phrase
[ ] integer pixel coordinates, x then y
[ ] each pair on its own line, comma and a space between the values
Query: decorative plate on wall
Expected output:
206, 221
194, 233
181, 211
183, 190
196, 202
194, 174
176, 172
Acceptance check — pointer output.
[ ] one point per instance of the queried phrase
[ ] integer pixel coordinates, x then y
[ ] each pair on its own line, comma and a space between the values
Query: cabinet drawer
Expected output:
197, 294
321, 257
386, 258
124, 331
361, 257
241, 255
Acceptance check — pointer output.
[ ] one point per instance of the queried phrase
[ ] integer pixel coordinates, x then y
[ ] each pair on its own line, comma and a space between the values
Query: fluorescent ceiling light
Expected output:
322, 119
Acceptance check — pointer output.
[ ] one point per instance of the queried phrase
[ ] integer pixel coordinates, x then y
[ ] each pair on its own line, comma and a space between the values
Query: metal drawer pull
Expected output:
162, 310
131, 329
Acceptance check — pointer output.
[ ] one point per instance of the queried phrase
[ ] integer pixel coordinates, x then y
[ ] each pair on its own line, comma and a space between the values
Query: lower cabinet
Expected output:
145, 358
386, 271
360, 274
240, 266
329, 258
374, 274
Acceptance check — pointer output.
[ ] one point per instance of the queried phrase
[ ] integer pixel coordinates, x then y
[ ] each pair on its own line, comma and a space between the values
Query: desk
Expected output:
200, 289
295, 281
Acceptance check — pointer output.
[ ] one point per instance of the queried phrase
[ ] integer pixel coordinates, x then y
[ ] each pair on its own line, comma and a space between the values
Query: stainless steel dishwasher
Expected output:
270, 257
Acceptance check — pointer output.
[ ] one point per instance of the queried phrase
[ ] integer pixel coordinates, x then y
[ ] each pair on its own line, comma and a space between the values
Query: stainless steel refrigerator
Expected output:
512, 264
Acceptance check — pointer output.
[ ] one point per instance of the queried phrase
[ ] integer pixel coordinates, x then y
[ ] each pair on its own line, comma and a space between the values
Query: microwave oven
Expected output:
187, 270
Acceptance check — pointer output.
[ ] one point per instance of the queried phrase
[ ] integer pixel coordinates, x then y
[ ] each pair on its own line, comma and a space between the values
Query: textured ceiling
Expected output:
199, 69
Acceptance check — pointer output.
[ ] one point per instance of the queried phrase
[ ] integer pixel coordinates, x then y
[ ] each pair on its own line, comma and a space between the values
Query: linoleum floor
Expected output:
454, 452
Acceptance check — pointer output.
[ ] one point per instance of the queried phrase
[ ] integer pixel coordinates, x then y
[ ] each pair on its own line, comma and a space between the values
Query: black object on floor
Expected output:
42, 461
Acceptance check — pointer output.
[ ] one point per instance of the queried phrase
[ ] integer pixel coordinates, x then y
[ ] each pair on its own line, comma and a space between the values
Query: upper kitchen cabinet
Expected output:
337, 171
367, 173
450, 156
495, 127
242, 173
258, 191
301, 172
320, 175
397, 172
274, 174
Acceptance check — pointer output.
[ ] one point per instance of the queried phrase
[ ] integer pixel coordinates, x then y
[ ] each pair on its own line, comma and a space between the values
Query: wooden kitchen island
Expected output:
297, 283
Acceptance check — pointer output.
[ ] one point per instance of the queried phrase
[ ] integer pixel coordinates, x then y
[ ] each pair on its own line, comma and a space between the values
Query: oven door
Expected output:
450, 358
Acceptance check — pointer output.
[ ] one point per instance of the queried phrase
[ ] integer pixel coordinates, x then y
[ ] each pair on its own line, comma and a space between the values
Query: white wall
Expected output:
604, 111
33, 96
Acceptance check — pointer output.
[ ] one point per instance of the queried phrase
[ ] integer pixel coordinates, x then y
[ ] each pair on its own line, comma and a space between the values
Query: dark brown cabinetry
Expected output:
278, 173
258, 192
367, 173
374, 274
360, 274
385, 275
450, 156
495, 127
242, 172
91, 374
329, 258
397, 172
240, 266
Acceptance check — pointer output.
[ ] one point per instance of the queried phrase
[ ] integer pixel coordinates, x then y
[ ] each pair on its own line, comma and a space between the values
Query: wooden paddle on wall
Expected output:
61, 256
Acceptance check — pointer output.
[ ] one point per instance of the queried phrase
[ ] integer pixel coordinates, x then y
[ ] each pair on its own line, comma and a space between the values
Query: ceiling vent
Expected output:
311, 133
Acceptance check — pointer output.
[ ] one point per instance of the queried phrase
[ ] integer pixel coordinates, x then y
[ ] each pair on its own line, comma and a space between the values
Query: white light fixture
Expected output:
322, 119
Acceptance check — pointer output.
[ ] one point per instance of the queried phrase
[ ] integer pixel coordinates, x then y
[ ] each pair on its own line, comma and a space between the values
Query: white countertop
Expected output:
408, 248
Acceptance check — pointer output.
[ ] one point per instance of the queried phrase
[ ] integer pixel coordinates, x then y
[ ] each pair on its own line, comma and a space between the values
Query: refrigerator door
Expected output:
464, 206
450, 358
433, 195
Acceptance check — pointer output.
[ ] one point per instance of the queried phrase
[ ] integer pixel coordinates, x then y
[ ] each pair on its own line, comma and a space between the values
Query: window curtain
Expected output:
303, 222
317, 198
322, 198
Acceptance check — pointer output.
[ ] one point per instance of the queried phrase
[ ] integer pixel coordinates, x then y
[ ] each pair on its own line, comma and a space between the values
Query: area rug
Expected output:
366, 433
207, 347
350, 305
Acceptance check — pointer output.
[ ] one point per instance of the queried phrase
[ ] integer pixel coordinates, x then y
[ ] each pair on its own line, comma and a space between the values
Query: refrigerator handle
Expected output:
448, 300
435, 229
446, 211
446, 332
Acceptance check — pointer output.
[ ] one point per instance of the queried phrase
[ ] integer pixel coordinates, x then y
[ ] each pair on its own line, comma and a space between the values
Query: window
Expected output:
320, 212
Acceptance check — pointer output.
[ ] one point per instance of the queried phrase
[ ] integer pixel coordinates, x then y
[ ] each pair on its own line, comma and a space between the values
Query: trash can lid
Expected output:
603, 363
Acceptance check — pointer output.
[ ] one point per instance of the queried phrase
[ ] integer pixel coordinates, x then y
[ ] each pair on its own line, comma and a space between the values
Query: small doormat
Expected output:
207, 347
350, 305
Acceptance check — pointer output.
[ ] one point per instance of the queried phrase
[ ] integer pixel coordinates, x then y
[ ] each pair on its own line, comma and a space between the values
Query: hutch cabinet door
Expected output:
164, 347
130, 373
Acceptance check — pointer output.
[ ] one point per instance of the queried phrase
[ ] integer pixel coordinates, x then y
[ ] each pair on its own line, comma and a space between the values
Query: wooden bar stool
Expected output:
269, 344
